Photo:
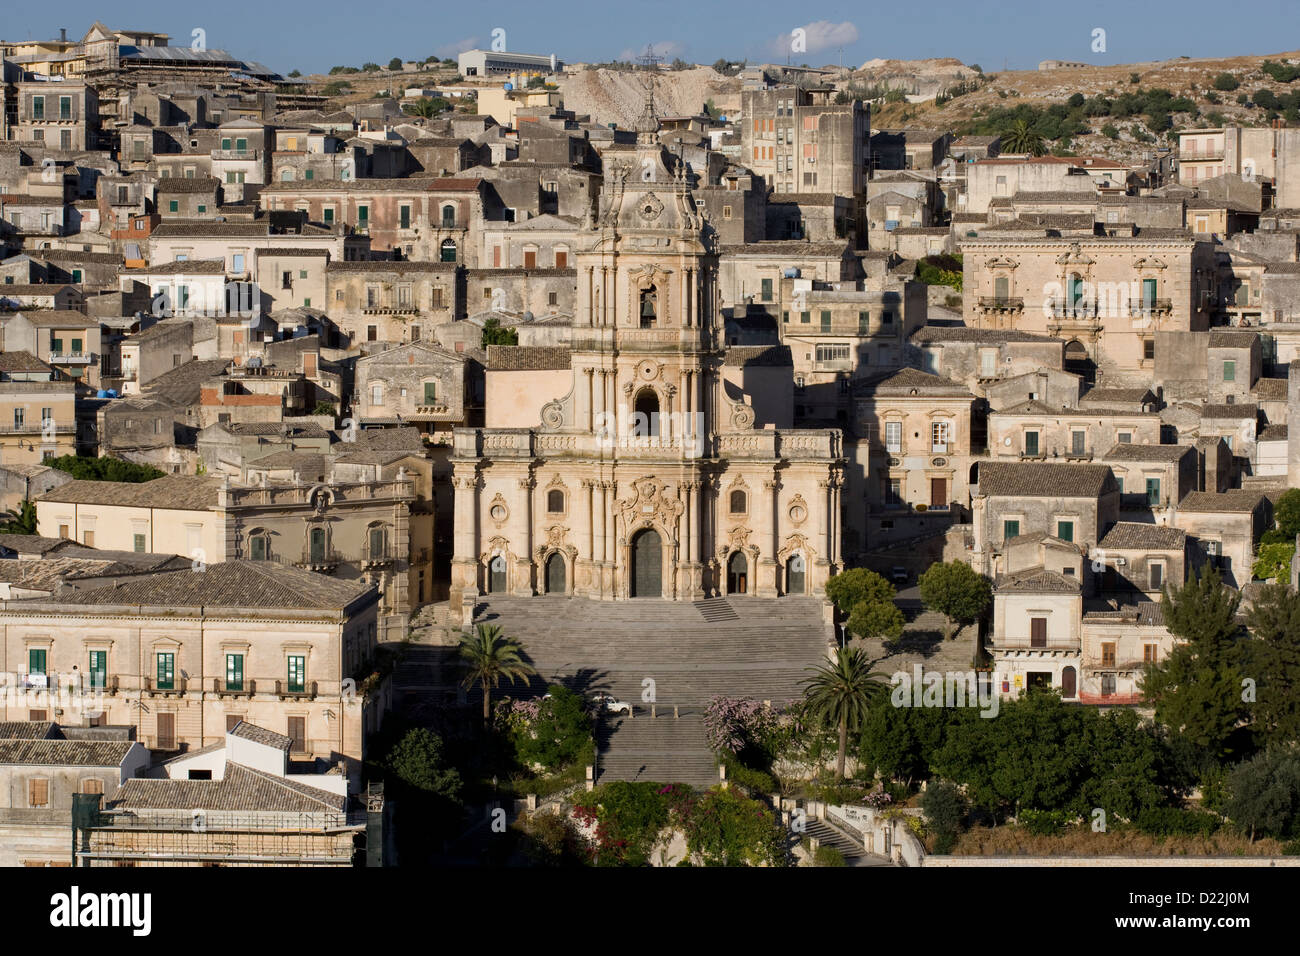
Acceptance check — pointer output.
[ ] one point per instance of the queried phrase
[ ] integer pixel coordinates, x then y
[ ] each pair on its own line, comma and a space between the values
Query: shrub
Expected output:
1045, 822
1171, 821
1226, 82
945, 809
559, 736
828, 856
104, 469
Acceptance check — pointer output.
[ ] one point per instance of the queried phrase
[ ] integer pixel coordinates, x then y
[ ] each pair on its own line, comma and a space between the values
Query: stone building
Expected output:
182, 656
643, 475
1108, 299
393, 301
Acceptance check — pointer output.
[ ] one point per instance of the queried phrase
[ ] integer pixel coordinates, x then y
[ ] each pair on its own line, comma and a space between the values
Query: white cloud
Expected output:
817, 36
458, 47
668, 49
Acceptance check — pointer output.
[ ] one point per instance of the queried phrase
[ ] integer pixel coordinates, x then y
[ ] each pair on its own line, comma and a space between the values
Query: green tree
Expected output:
1265, 794
850, 588
1197, 688
20, 520
104, 469
1273, 561
487, 656
1021, 138
494, 333
395, 64
324, 408
1286, 514
294, 74
421, 107
876, 619
1110, 131
945, 808
1226, 82
370, 67
418, 760
562, 732
1274, 622
840, 693
958, 592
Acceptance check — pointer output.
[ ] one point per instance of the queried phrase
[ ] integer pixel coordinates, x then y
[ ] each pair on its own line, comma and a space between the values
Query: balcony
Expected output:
323, 561
383, 557
1001, 303
235, 153
1200, 156
108, 685
833, 365
285, 691
1143, 308
399, 310
224, 688
71, 358
176, 688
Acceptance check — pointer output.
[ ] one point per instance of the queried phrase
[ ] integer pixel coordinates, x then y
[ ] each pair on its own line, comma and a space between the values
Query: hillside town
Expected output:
413, 476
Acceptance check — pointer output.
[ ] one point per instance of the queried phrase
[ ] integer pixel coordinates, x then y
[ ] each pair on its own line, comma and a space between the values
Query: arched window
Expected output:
259, 546
645, 423
286, 175
449, 216
738, 502
377, 542
447, 251
649, 308
555, 501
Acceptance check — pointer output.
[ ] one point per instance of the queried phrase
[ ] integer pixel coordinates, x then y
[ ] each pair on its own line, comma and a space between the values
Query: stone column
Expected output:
524, 561
464, 573
768, 578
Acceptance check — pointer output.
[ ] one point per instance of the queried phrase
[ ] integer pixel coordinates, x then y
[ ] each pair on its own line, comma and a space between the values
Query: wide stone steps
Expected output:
662, 749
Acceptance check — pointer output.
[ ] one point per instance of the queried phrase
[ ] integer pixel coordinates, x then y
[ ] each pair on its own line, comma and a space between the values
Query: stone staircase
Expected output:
664, 748
854, 853
676, 654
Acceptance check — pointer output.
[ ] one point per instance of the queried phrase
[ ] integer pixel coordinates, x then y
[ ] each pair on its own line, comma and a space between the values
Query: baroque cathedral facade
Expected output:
645, 460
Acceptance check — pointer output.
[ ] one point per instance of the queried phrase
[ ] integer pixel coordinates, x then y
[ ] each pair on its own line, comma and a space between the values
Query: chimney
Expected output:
63, 34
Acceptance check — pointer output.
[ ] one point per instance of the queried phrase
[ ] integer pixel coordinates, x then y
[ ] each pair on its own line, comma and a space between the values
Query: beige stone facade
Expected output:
643, 475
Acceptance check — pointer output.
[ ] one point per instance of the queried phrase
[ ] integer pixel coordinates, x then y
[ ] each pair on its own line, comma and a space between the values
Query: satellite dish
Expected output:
528, 317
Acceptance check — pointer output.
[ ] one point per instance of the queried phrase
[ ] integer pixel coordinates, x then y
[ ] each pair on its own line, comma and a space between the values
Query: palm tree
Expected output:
1022, 139
840, 692
421, 107
20, 520
488, 655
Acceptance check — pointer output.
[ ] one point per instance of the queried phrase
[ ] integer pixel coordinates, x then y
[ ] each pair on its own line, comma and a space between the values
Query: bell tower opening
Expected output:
649, 310
645, 421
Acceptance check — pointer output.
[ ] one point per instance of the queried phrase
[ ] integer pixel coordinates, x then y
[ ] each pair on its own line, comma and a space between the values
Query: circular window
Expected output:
499, 512
798, 513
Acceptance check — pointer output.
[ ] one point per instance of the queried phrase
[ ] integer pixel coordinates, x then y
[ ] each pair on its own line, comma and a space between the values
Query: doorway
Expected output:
646, 554
737, 574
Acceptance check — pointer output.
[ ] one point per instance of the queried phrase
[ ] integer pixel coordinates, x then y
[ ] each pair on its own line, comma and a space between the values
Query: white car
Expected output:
611, 705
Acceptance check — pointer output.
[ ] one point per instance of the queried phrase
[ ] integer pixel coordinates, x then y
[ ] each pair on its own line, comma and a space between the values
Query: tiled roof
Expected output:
1273, 433
517, 358
182, 184
279, 429
26, 729
1142, 614
404, 265
1131, 451
32, 544
260, 735
402, 439
765, 355
22, 362
177, 492
1036, 580
1044, 480
1129, 535
230, 584
960, 333
1233, 340
906, 379
241, 788
1242, 410
75, 753
183, 384
1125, 395
1237, 500
186, 267
1270, 389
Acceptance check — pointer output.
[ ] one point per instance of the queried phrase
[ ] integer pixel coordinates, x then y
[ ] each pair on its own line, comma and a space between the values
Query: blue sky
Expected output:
1012, 34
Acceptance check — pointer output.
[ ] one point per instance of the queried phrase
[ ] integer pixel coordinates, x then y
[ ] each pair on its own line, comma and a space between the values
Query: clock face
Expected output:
650, 207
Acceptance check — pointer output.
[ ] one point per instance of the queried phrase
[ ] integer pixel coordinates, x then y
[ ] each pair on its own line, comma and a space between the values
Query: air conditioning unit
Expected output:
1120, 562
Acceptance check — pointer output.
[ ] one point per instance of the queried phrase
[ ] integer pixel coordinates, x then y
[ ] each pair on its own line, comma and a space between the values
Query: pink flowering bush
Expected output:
736, 724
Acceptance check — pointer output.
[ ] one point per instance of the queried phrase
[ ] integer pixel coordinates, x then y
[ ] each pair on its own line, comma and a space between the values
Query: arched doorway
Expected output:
645, 423
1068, 681
1078, 361
737, 573
497, 574
555, 575
795, 575
645, 578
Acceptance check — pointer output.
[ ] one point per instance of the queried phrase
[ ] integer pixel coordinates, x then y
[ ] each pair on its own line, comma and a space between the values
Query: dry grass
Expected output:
1015, 841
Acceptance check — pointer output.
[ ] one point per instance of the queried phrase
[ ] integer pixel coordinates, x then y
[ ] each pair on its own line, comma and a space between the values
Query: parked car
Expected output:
899, 575
610, 704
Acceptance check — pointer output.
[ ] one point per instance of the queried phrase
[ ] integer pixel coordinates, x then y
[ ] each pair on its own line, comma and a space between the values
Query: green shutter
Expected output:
430, 393
297, 674
767, 290
36, 660
1065, 530
1010, 529
1153, 491
166, 671
98, 668
234, 671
